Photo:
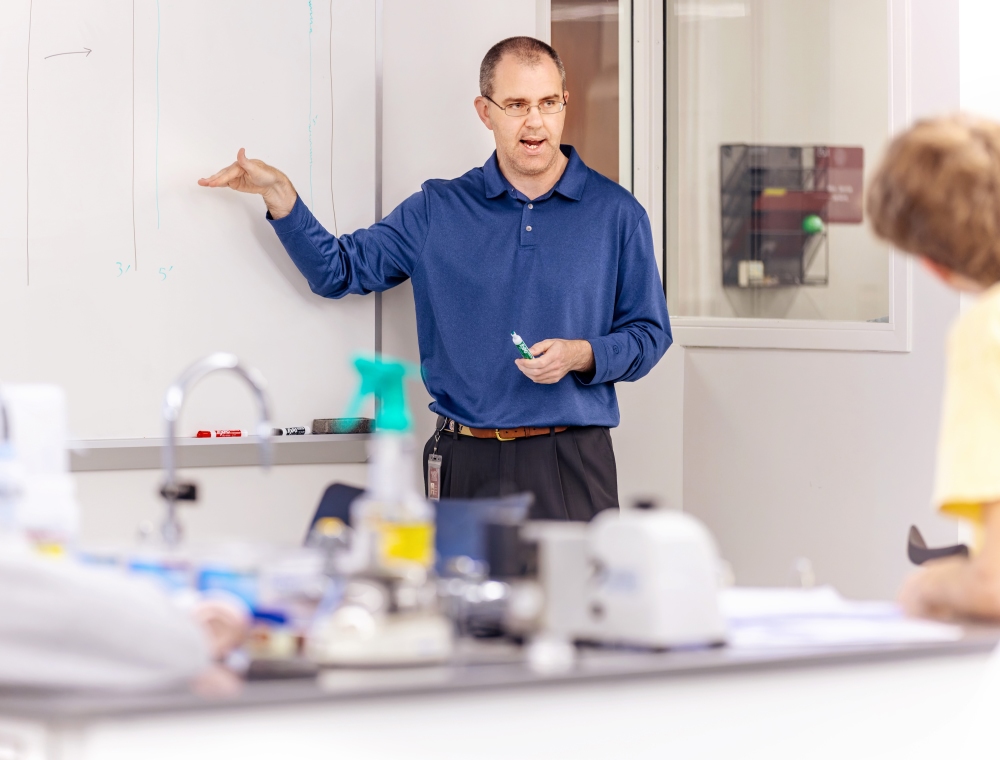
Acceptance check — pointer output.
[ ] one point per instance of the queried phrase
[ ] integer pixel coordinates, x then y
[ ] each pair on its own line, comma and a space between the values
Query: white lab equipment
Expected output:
645, 577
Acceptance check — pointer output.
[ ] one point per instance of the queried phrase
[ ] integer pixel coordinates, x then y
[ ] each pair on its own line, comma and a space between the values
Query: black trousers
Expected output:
572, 474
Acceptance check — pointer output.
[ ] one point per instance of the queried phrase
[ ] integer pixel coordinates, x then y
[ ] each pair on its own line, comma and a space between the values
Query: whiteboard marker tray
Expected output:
147, 453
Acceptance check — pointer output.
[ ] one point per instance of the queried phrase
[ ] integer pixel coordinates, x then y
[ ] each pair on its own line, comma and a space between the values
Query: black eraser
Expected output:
343, 425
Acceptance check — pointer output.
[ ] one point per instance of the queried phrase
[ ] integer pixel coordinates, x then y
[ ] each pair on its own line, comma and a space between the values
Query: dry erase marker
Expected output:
294, 430
520, 345
222, 434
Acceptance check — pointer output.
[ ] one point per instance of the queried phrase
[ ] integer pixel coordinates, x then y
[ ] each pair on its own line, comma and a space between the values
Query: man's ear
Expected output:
483, 111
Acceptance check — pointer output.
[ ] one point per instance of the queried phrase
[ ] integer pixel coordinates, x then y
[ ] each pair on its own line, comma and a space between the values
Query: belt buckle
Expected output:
496, 432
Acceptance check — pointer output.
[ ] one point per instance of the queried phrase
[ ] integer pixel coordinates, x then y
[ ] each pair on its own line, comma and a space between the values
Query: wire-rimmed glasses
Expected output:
520, 110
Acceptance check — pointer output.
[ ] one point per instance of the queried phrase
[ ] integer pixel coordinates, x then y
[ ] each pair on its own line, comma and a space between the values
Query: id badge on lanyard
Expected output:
434, 469
434, 476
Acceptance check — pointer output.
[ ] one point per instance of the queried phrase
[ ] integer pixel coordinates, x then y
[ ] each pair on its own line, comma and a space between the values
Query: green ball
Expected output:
812, 224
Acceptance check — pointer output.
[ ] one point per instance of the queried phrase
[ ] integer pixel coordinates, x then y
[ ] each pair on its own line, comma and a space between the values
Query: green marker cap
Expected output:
383, 378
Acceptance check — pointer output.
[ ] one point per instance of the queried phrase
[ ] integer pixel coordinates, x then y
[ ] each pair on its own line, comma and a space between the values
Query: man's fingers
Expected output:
215, 177
542, 376
259, 172
534, 366
541, 347
223, 177
530, 367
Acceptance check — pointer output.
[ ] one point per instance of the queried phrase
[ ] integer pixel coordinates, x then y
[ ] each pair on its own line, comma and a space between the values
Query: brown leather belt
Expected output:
501, 434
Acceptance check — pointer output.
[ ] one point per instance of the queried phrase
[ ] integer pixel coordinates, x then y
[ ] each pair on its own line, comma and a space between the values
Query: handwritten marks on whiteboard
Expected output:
27, 153
135, 246
312, 120
159, 27
123, 101
232, 73
123, 269
66, 103
85, 53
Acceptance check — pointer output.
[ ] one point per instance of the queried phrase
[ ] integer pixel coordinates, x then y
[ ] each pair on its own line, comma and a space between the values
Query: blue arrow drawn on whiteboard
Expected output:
85, 52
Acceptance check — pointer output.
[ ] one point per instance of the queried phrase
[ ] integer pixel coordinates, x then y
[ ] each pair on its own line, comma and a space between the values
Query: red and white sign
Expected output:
844, 171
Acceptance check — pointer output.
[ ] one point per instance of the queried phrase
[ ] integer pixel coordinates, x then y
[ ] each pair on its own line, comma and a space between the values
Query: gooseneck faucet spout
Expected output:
174, 491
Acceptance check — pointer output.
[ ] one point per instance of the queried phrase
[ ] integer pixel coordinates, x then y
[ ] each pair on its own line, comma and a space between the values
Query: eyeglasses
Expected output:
520, 110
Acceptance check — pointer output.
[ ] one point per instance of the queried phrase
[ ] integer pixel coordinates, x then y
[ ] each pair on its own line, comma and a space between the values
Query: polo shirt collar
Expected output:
570, 184
496, 184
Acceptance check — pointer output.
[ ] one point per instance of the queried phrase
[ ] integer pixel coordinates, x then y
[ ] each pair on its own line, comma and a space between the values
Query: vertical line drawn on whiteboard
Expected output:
312, 203
27, 155
135, 254
157, 169
329, 47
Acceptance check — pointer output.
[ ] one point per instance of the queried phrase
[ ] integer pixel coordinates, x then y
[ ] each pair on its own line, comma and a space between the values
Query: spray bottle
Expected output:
393, 523
387, 611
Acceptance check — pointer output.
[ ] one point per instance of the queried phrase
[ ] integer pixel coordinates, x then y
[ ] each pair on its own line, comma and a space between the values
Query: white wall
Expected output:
978, 57
828, 455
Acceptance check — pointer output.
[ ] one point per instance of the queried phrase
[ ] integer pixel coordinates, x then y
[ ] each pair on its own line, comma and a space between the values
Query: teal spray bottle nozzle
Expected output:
383, 378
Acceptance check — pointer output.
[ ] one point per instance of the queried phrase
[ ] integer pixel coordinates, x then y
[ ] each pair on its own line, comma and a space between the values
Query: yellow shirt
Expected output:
968, 465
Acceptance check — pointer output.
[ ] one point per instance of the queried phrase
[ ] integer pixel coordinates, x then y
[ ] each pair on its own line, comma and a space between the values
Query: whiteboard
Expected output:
116, 269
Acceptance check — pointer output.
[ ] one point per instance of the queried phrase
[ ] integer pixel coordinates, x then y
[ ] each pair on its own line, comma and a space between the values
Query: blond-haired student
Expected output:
936, 195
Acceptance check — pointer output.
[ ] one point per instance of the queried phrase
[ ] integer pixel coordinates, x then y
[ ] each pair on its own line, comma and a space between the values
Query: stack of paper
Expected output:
761, 618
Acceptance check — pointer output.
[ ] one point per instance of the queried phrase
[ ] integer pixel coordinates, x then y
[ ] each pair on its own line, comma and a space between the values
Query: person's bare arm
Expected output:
554, 359
959, 587
251, 175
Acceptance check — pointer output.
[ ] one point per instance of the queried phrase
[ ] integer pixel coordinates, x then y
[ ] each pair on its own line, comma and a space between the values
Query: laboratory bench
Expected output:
809, 702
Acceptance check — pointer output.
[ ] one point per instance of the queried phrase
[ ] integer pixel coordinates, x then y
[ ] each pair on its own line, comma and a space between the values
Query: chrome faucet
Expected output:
172, 490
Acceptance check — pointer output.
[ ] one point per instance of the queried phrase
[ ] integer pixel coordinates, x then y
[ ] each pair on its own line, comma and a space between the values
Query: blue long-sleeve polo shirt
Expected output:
575, 263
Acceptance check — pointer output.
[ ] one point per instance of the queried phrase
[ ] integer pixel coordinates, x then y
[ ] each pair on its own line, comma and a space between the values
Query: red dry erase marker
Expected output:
222, 434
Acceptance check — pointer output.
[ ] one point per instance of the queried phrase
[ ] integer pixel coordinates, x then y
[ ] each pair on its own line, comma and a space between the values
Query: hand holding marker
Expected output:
520, 345
555, 358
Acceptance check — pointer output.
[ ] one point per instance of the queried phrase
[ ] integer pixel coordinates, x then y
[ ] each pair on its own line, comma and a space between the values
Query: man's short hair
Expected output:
527, 50
937, 194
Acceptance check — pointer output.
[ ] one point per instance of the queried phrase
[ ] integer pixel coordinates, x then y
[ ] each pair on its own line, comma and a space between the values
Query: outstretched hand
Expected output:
251, 175
556, 358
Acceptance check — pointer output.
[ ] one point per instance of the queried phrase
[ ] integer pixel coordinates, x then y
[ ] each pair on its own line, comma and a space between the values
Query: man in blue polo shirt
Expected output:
532, 241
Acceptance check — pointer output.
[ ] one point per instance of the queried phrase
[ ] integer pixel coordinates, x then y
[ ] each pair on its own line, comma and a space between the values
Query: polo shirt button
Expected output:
528, 228
616, 349
531, 205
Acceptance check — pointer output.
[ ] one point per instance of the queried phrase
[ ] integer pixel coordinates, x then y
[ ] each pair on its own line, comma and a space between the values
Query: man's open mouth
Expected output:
532, 145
